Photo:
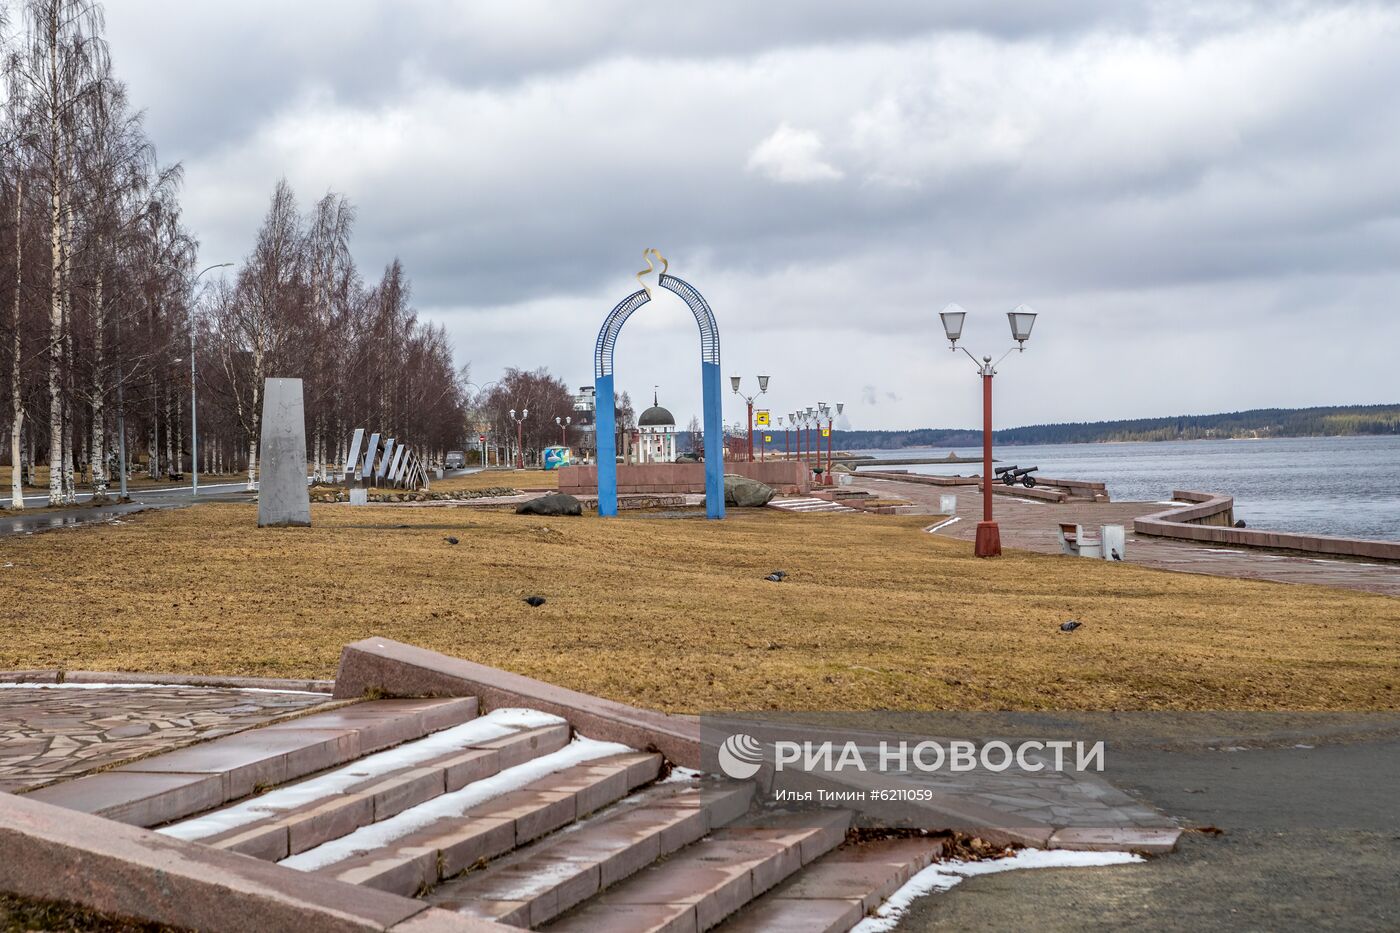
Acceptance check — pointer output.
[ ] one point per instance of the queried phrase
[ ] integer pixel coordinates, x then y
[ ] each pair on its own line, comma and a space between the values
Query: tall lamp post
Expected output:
564, 428
830, 432
194, 398
748, 399
1022, 319
520, 436
811, 438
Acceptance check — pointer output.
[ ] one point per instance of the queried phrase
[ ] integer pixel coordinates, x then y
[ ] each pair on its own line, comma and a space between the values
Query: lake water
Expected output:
1325, 485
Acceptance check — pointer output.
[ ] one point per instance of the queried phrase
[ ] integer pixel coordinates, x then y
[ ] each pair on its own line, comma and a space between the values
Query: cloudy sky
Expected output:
1202, 200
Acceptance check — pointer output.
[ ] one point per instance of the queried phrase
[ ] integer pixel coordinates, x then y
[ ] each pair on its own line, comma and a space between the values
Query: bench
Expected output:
1076, 543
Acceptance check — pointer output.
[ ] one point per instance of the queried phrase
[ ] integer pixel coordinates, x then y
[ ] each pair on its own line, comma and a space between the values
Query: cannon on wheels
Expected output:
1011, 475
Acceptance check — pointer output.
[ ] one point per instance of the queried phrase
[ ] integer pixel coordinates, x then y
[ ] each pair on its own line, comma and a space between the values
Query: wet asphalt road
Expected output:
1310, 841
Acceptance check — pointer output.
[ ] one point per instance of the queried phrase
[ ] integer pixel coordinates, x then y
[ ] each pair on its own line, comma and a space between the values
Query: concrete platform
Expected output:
1032, 526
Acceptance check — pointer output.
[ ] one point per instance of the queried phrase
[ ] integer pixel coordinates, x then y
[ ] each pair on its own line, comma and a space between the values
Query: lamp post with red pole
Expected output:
830, 432
520, 436
564, 428
811, 425
1022, 319
748, 399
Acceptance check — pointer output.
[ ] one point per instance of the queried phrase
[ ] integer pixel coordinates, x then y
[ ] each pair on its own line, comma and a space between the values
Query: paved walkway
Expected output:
1032, 525
59, 732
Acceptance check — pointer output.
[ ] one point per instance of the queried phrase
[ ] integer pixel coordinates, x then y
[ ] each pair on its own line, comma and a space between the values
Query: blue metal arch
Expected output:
612, 324
605, 415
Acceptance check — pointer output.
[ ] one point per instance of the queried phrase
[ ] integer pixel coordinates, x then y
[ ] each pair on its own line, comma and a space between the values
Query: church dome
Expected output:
656, 417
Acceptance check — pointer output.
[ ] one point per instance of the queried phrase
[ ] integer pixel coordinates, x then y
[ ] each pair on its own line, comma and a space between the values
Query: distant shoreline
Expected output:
1090, 443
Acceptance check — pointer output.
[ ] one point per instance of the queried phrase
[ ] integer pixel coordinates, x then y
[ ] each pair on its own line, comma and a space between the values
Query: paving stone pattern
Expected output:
55, 733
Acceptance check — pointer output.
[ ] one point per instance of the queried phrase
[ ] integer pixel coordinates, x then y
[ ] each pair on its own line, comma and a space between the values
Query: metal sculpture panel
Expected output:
353, 459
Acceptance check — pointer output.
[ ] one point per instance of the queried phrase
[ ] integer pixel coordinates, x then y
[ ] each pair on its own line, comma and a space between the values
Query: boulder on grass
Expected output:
744, 493
557, 503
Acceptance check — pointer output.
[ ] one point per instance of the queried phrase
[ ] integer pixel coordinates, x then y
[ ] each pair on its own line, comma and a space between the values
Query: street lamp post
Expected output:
520, 436
564, 428
1022, 319
811, 423
194, 398
748, 399
830, 432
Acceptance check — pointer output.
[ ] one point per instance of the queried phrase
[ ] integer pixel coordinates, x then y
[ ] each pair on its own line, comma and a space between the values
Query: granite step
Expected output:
300, 816
533, 885
697, 888
808, 504
452, 840
201, 777
838, 890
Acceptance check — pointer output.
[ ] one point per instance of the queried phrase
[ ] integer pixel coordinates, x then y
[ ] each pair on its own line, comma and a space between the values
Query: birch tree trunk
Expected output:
16, 401
169, 465
55, 333
70, 491
255, 419
99, 389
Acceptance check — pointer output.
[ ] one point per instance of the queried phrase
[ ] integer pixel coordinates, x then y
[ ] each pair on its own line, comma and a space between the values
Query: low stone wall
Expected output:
786, 476
1210, 519
391, 668
1045, 493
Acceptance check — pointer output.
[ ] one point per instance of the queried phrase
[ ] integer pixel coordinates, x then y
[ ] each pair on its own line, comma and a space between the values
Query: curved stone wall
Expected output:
1210, 517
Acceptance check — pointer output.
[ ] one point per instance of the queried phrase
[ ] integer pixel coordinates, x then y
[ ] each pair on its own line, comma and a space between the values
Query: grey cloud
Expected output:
1140, 172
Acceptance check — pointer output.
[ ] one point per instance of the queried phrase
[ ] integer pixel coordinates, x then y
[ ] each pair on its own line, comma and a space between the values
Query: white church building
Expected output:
656, 435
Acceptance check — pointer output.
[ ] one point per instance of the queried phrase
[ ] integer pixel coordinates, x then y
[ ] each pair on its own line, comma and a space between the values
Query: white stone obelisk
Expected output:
283, 496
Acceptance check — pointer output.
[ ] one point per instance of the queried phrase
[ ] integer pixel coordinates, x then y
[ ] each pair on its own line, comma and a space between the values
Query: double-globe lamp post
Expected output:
812, 416
564, 428
1022, 319
830, 431
520, 436
748, 399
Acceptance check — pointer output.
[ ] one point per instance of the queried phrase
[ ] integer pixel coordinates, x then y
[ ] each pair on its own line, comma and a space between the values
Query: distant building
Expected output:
585, 424
656, 435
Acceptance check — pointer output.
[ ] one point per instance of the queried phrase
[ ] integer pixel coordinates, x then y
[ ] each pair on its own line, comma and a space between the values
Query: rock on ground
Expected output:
557, 503
745, 493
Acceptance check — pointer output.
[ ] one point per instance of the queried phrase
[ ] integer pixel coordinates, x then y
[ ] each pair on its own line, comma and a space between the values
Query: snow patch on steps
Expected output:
942, 876
494, 725
447, 806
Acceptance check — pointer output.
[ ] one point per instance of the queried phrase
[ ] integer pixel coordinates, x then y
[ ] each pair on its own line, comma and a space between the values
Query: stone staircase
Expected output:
508, 819
808, 504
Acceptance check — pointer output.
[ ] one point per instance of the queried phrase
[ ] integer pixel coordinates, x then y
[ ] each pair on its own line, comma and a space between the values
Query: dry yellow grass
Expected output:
674, 614
487, 479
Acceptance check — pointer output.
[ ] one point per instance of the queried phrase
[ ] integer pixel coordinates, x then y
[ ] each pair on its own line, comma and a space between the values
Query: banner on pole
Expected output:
760, 418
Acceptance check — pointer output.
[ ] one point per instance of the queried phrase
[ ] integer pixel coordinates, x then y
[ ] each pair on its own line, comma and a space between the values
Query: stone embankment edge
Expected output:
1210, 518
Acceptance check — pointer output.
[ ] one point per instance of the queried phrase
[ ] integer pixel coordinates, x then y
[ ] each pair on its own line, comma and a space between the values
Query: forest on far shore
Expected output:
1344, 420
